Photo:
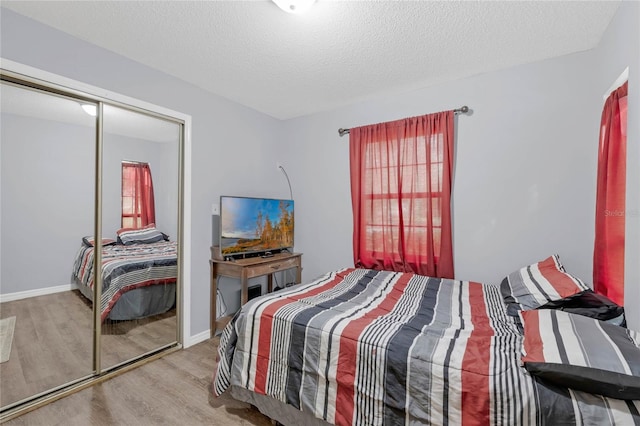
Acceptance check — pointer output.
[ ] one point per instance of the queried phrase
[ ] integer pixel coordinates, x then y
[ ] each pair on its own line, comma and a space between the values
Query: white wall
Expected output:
524, 176
44, 218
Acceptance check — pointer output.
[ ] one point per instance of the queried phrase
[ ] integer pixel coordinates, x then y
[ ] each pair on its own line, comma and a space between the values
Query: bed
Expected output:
139, 278
364, 347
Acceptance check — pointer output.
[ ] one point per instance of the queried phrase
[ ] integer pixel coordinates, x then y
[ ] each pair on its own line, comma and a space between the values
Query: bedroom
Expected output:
535, 105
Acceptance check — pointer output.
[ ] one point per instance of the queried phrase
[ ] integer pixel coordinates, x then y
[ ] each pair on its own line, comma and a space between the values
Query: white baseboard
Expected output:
9, 297
197, 338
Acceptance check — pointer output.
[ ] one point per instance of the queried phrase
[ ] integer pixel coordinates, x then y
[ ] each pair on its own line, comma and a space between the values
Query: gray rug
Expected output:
6, 337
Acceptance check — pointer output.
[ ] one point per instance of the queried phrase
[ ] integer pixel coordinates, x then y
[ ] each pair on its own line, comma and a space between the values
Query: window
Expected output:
396, 194
401, 188
138, 206
608, 253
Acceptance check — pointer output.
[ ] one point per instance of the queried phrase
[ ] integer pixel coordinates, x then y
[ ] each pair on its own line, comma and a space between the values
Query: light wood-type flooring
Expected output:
173, 390
52, 344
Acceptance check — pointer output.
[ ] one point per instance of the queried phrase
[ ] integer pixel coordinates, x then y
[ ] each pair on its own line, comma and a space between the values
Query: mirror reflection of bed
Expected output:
139, 289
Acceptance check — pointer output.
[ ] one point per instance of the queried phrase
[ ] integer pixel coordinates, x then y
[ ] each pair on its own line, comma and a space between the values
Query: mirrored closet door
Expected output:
47, 149
140, 209
90, 235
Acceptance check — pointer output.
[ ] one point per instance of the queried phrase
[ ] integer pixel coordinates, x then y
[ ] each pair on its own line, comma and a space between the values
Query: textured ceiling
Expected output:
339, 53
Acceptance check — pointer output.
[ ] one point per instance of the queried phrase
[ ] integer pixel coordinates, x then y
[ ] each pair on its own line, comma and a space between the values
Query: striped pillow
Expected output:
144, 235
582, 353
535, 285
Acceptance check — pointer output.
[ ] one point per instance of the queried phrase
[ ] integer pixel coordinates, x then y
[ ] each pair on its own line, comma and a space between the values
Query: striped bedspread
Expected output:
363, 347
127, 267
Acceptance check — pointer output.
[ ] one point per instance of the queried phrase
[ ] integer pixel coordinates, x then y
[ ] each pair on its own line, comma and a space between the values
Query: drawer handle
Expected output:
275, 266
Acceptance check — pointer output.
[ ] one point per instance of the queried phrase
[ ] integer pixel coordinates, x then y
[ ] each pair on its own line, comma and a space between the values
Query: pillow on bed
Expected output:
538, 284
148, 234
582, 353
89, 241
149, 226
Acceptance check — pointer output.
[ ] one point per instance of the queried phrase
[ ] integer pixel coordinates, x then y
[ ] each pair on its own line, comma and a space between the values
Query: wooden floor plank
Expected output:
52, 344
173, 390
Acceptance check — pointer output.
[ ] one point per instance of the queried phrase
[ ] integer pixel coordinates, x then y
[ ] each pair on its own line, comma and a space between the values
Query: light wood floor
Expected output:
173, 390
53, 342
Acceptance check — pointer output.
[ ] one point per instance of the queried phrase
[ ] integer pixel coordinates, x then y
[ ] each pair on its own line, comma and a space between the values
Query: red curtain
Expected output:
138, 204
401, 195
608, 254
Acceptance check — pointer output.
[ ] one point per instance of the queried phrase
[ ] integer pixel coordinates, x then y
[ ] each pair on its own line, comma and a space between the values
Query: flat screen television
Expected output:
255, 225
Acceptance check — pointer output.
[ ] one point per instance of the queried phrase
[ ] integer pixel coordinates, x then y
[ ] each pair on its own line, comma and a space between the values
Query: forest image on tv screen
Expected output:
255, 224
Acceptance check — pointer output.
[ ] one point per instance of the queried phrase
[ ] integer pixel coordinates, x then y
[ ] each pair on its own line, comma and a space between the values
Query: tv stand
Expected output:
244, 269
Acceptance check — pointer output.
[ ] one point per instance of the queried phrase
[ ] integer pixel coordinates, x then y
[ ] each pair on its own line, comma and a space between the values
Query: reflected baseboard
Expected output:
10, 297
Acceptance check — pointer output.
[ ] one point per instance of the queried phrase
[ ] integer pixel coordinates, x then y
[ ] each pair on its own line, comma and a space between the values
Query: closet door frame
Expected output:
29, 77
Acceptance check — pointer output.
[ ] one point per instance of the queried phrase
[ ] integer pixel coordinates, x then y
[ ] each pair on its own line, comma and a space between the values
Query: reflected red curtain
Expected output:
401, 195
608, 254
138, 204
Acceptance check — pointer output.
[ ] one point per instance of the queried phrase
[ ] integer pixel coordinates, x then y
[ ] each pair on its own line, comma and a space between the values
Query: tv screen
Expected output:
254, 225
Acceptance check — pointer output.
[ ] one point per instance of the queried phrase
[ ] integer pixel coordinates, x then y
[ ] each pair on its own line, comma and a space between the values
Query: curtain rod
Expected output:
462, 110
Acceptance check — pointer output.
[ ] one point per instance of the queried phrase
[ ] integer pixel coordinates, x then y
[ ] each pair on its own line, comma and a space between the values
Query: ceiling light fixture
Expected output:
90, 109
294, 6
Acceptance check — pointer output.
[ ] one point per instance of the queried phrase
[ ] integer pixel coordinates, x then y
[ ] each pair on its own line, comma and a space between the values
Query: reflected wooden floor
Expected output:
53, 342
173, 390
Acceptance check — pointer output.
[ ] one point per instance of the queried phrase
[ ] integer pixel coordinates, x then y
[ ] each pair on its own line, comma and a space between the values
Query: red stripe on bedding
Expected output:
559, 280
84, 266
476, 401
533, 345
266, 325
349, 340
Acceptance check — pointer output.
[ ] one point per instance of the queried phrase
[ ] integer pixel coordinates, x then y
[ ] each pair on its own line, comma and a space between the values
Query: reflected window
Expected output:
138, 205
